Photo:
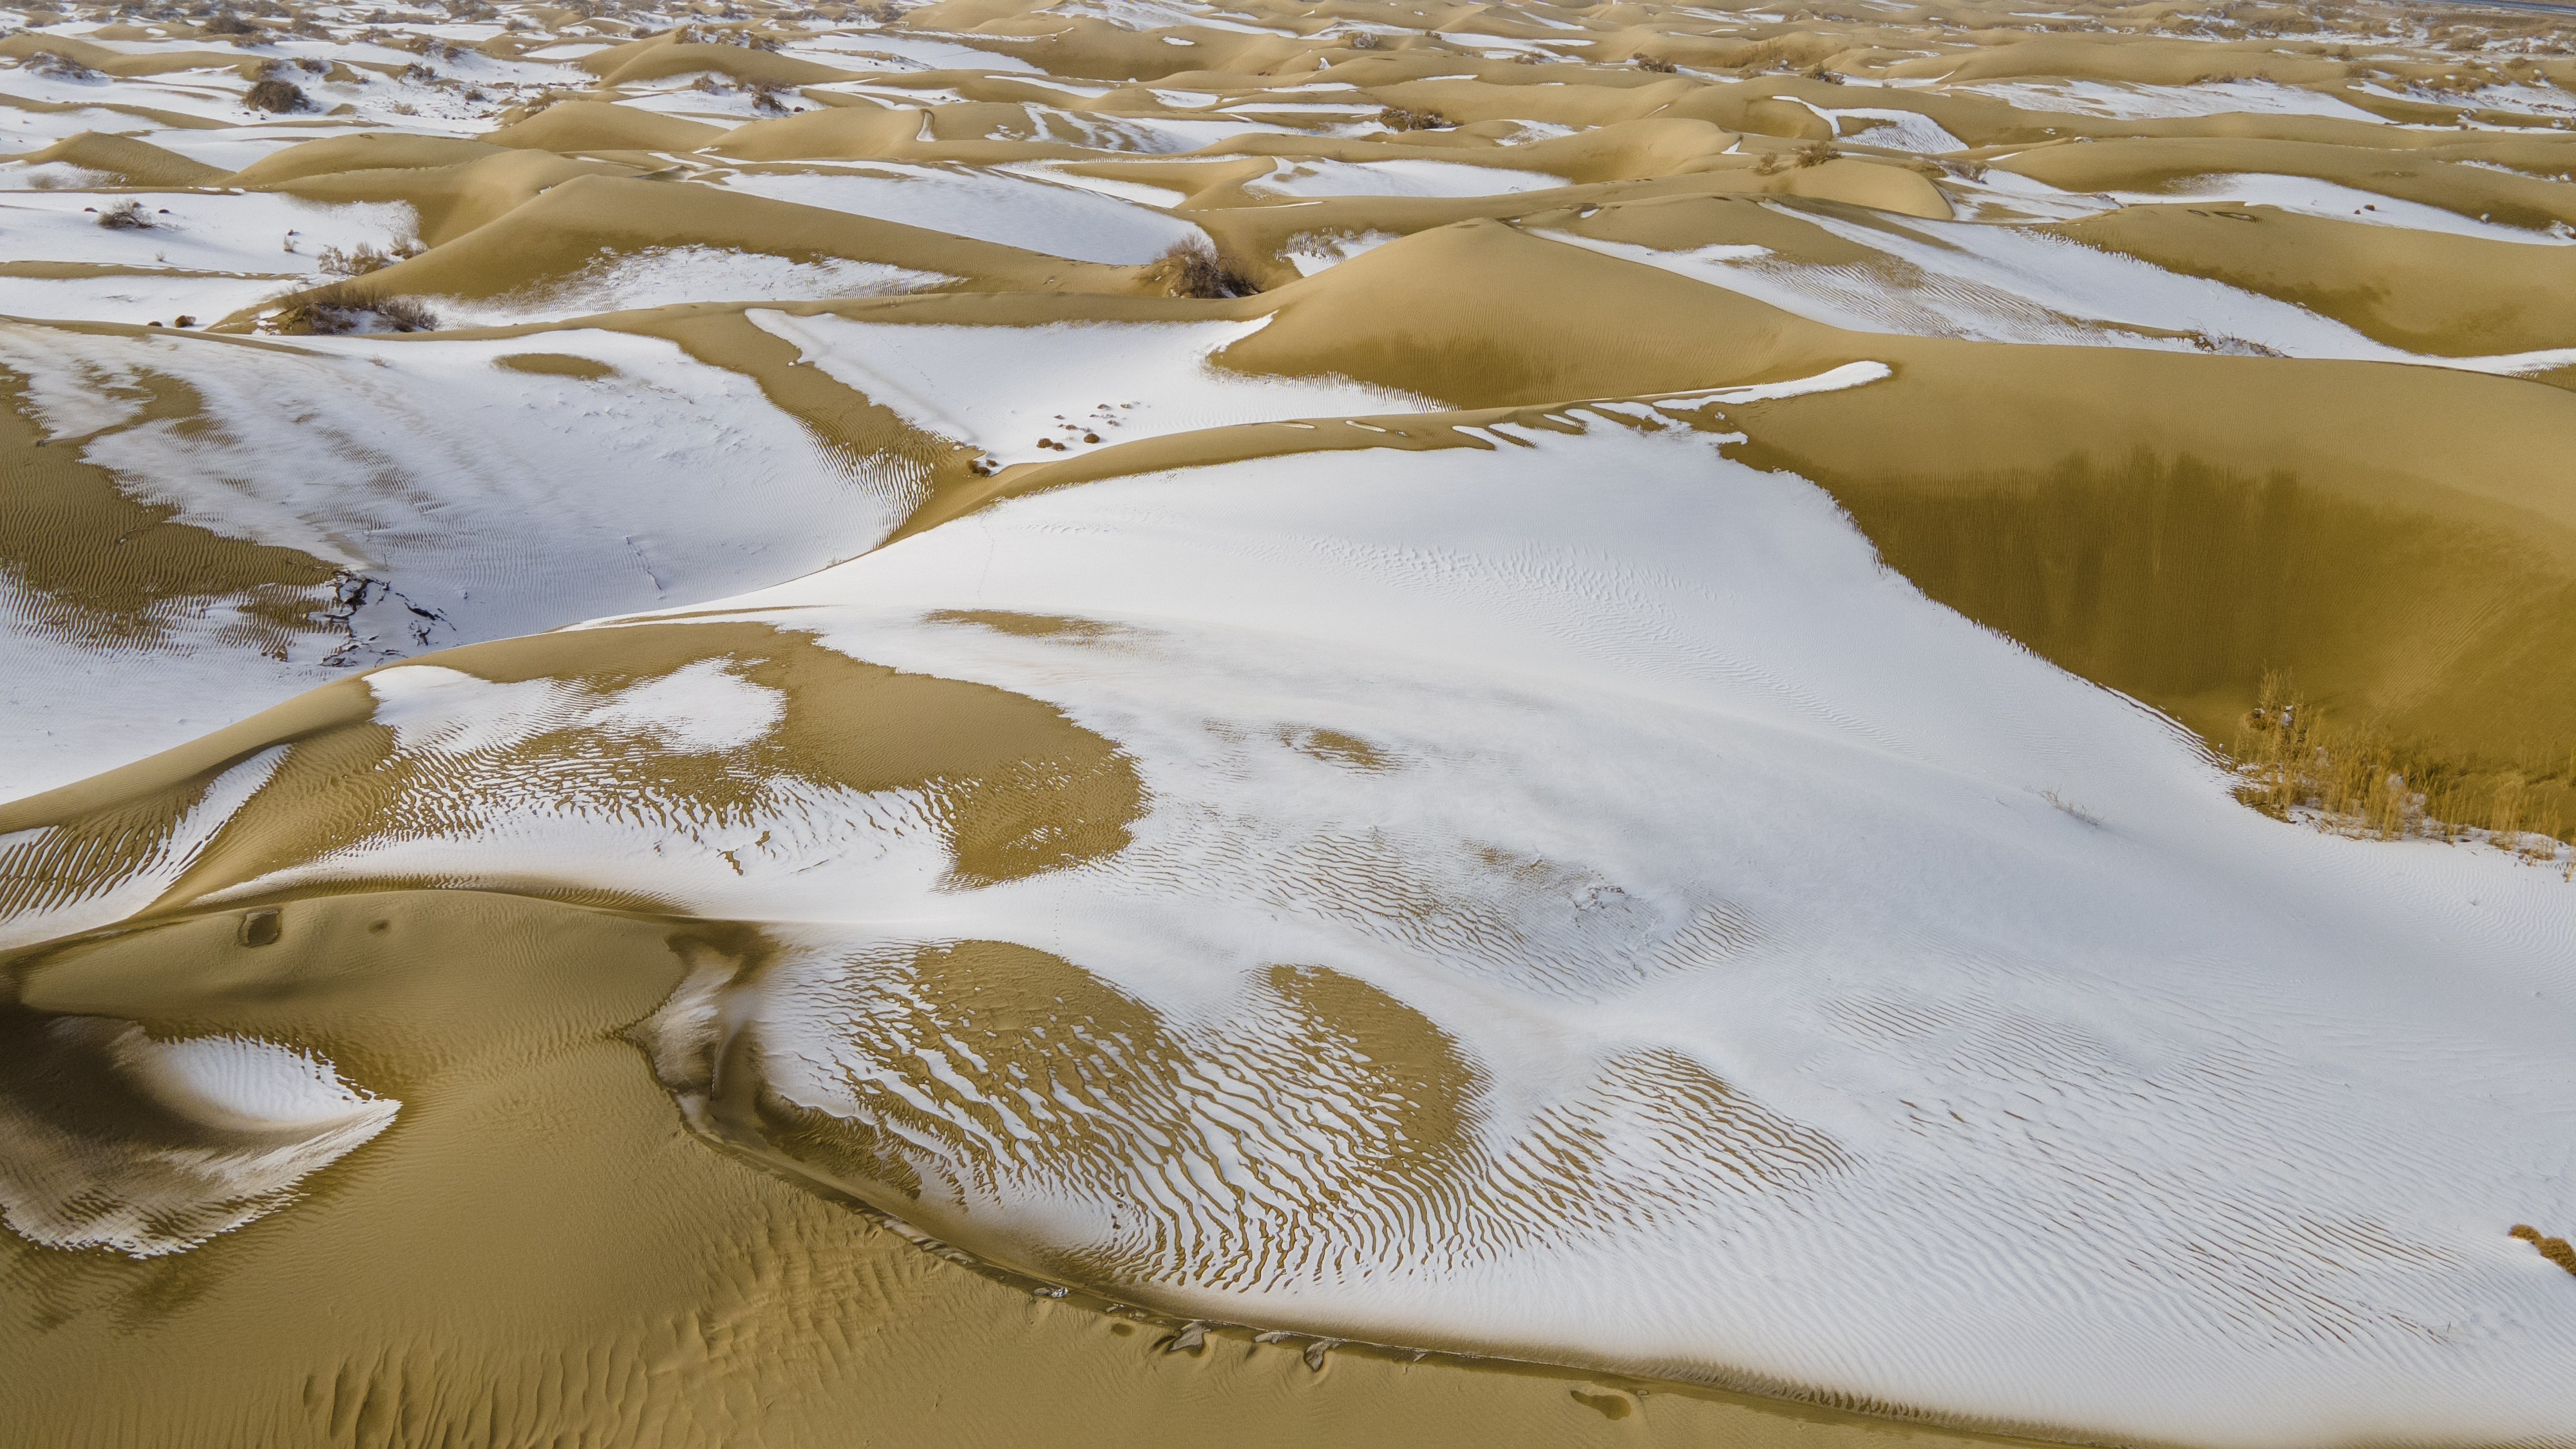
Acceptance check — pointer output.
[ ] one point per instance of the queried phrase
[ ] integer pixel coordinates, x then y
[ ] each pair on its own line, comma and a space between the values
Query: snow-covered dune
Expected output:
1112, 721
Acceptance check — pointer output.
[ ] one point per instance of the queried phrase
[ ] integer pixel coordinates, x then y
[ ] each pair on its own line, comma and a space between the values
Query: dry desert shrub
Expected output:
1817, 153
1656, 64
1397, 118
57, 66
363, 258
2556, 1250
127, 215
2359, 780
224, 22
1191, 270
720, 35
339, 308
274, 95
1364, 41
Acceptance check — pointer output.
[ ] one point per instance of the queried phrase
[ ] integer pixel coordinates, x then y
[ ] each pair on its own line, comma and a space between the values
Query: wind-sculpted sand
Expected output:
1265, 724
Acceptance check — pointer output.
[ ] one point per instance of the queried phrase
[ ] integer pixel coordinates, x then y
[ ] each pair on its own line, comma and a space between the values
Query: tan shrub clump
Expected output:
2357, 780
726, 35
2555, 1250
57, 66
1397, 118
1188, 269
363, 258
339, 308
274, 95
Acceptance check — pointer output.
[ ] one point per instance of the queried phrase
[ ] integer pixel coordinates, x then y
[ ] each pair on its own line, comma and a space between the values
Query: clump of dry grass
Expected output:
363, 258
2070, 808
127, 215
56, 66
723, 35
2556, 1250
1817, 153
1397, 118
274, 95
2358, 780
1188, 269
224, 22
339, 308
1657, 64
765, 95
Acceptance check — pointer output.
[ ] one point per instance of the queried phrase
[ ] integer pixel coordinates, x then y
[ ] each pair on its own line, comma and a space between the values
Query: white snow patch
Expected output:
2004, 284
697, 709
1040, 211
664, 276
2117, 101
1001, 389
1397, 178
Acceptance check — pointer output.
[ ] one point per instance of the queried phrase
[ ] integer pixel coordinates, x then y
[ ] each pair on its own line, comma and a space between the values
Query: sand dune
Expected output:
1498, 724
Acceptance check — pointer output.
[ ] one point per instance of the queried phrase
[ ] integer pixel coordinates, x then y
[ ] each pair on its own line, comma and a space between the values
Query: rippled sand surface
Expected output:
1120, 722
